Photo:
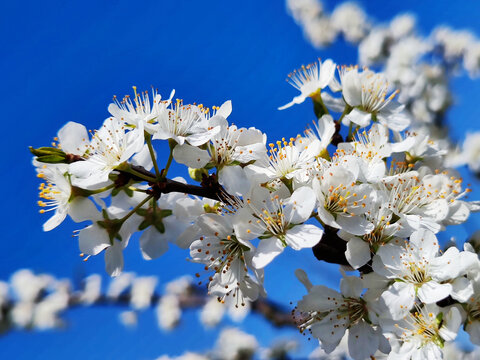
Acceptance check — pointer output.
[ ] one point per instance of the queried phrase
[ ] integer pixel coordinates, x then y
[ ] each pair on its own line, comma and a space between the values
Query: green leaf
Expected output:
145, 224
160, 227
142, 212
128, 191
51, 159
165, 212
41, 151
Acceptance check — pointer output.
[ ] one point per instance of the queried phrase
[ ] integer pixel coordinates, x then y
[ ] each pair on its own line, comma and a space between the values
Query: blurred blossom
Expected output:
454, 43
27, 286
119, 284
351, 21
128, 318
320, 32
22, 313
471, 59
402, 25
180, 285
280, 349
168, 312
212, 313
186, 356
235, 344
92, 289
46, 311
142, 291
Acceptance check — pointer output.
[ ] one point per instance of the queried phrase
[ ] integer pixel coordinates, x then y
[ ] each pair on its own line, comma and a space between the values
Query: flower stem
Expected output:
318, 106
131, 212
346, 111
172, 145
76, 191
148, 139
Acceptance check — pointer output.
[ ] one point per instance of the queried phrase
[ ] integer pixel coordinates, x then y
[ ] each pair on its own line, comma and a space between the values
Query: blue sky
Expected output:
63, 61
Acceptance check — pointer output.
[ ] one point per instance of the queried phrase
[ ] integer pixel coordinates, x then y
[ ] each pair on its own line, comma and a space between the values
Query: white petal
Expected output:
143, 158
473, 329
355, 225
301, 204
185, 239
327, 217
214, 224
296, 100
82, 209
114, 260
462, 289
320, 298
303, 278
191, 156
451, 324
201, 138
246, 226
426, 242
396, 122
357, 253
73, 138
358, 117
352, 88
363, 342
54, 220
431, 292
449, 265
152, 244
234, 180
387, 261
267, 250
458, 213
351, 286
93, 240
332, 103
327, 72
226, 109
399, 299
303, 236
331, 329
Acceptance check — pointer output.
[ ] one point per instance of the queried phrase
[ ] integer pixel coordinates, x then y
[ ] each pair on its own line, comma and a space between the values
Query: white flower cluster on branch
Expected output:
359, 188
421, 67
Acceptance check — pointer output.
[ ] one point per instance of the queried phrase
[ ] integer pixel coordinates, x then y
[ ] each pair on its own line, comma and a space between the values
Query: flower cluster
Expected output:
359, 183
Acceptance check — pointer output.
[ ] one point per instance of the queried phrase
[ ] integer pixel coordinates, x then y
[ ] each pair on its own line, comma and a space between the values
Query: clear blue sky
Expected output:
63, 61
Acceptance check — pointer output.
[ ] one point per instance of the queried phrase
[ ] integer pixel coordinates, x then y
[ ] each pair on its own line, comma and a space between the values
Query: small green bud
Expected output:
196, 174
49, 155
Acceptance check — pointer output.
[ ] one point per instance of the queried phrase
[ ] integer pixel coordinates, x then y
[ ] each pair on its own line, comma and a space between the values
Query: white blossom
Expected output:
310, 79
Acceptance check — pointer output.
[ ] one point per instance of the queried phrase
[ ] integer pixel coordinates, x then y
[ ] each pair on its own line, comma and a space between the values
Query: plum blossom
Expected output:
327, 315
56, 195
279, 220
422, 334
342, 202
369, 95
418, 270
141, 110
109, 147
110, 233
227, 150
310, 79
182, 123
287, 160
229, 257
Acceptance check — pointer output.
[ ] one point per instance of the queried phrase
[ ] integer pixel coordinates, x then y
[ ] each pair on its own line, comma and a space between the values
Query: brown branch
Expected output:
209, 187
